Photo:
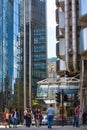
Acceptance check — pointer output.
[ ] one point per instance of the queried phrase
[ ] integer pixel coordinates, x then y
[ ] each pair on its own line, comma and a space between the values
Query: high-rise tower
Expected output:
67, 34
35, 44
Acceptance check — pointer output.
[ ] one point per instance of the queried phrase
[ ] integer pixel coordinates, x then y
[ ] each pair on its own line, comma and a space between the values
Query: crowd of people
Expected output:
12, 117
36, 114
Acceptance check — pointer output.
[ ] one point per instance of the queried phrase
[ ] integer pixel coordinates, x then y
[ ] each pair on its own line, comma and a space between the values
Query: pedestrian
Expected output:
38, 117
15, 117
25, 113
28, 117
84, 117
74, 119
50, 115
34, 113
8, 117
77, 116
5, 117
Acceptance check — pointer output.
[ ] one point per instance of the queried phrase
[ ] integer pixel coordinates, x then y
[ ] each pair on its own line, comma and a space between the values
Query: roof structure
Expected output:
60, 80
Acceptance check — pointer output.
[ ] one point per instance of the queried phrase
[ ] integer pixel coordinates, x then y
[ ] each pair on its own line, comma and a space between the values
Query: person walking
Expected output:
15, 117
84, 117
50, 115
38, 117
5, 117
34, 113
8, 118
77, 116
25, 113
28, 117
74, 119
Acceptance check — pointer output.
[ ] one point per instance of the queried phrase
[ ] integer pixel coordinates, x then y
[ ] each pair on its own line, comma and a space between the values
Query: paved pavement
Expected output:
45, 128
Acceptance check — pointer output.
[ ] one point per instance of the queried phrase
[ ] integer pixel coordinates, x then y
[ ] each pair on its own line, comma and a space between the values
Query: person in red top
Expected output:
7, 117
38, 117
77, 116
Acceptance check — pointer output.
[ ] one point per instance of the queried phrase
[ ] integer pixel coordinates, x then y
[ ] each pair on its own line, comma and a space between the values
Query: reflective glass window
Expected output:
83, 7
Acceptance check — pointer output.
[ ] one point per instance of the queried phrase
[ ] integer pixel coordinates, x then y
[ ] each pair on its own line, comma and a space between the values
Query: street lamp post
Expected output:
62, 106
30, 83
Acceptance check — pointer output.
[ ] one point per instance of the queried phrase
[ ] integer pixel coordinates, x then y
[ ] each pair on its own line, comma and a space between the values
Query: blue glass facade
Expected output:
6, 51
9, 42
38, 42
10, 50
16, 41
83, 7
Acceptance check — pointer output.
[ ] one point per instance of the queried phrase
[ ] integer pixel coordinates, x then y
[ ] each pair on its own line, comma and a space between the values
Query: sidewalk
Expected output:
55, 127
2, 126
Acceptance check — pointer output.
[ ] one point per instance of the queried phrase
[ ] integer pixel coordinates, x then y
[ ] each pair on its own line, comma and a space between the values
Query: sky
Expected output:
51, 29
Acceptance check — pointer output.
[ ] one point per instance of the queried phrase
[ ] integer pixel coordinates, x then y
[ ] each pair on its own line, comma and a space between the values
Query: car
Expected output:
33, 121
44, 120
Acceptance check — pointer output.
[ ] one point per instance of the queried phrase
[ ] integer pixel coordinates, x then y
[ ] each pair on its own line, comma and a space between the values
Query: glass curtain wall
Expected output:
6, 30
17, 57
9, 50
39, 42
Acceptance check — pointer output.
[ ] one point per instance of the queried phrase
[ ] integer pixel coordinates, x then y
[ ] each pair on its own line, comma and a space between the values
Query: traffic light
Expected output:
76, 96
76, 99
57, 97
65, 97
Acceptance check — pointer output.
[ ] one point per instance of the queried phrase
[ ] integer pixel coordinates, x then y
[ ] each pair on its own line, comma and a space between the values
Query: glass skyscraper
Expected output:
6, 49
36, 43
12, 49
39, 42
9, 40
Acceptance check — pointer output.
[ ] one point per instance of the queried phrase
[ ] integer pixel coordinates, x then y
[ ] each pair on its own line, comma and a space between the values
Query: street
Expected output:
45, 128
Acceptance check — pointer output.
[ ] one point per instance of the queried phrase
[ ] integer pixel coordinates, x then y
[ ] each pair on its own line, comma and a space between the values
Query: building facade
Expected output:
23, 45
83, 51
67, 35
67, 46
6, 50
36, 53
71, 49
9, 41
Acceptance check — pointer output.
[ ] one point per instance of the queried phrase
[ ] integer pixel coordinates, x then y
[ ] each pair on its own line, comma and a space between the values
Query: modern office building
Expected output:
83, 51
68, 44
36, 34
71, 49
9, 40
33, 35
23, 45
6, 49
67, 34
